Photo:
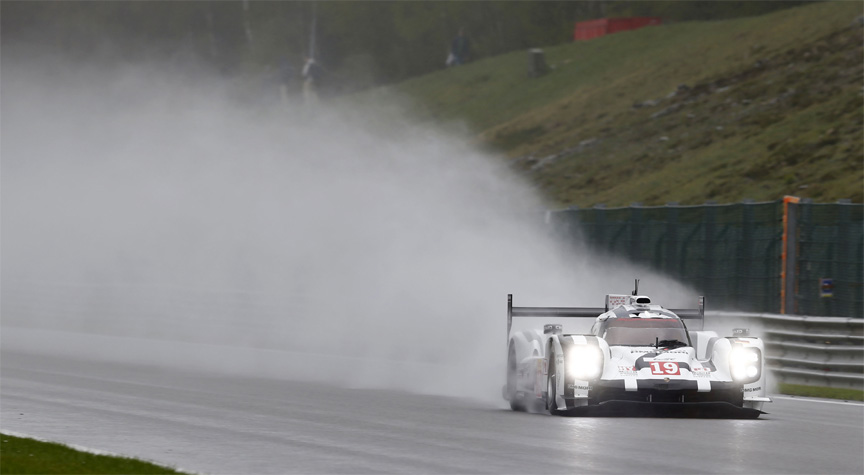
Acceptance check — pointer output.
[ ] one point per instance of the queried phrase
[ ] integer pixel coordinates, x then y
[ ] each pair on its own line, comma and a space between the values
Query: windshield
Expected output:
643, 331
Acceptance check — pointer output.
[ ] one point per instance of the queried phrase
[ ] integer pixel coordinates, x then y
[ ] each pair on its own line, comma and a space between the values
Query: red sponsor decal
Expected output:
664, 368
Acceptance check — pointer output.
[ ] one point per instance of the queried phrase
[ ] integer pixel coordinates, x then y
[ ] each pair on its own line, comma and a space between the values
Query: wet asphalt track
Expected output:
230, 424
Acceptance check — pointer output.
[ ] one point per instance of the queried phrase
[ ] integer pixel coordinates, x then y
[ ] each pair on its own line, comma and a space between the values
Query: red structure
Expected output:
586, 30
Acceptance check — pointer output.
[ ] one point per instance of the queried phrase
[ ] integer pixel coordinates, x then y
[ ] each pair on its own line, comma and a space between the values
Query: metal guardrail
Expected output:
814, 351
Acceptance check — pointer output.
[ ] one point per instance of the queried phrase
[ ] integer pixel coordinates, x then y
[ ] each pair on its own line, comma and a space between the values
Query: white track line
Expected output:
824, 401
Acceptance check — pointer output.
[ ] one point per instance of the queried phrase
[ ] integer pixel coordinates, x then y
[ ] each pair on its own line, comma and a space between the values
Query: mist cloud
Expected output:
145, 203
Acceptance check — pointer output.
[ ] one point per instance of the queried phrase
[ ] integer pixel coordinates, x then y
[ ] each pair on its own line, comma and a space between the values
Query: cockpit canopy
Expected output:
641, 331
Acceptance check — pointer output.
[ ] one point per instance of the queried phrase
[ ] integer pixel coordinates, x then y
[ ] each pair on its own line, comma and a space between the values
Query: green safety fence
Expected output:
830, 260
733, 253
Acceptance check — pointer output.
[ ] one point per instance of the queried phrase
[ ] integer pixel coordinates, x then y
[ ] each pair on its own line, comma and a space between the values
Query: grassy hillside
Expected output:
748, 108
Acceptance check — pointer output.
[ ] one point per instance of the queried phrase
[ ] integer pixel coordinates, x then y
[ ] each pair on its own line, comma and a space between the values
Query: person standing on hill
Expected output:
311, 80
460, 49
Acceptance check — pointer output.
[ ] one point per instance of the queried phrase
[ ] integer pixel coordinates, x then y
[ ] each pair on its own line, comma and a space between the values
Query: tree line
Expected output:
360, 44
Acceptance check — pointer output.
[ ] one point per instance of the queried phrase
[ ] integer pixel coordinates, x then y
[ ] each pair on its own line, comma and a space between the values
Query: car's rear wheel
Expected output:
516, 403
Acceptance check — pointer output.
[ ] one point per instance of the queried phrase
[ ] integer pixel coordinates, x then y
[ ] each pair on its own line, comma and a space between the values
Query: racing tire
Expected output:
516, 403
552, 386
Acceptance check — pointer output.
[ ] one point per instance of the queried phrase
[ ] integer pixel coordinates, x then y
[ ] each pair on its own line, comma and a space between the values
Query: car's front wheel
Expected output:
552, 386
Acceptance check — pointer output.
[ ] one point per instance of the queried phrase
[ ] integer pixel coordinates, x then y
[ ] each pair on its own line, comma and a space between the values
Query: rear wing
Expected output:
558, 312
692, 314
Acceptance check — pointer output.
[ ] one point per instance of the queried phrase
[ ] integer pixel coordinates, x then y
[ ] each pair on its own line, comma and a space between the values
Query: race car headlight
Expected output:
745, 364
584, 362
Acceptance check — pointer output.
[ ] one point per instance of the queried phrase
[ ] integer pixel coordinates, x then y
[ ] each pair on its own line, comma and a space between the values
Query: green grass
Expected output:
818, 391
25, 456
774, 108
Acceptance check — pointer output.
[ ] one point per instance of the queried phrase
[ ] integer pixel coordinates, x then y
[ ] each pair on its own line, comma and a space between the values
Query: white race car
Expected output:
640, 359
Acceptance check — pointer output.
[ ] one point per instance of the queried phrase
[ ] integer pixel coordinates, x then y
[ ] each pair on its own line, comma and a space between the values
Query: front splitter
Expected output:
706, 410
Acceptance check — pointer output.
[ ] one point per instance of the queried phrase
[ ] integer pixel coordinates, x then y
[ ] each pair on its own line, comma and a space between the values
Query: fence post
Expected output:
672, 239
635, 232
788, 256
600, 224
708, 249
745, 256
844, 275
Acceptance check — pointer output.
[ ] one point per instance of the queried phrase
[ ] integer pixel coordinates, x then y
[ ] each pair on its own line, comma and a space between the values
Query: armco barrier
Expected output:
813, 351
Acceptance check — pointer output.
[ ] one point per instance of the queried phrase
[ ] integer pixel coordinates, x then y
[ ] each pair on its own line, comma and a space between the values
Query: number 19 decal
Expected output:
664, 368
